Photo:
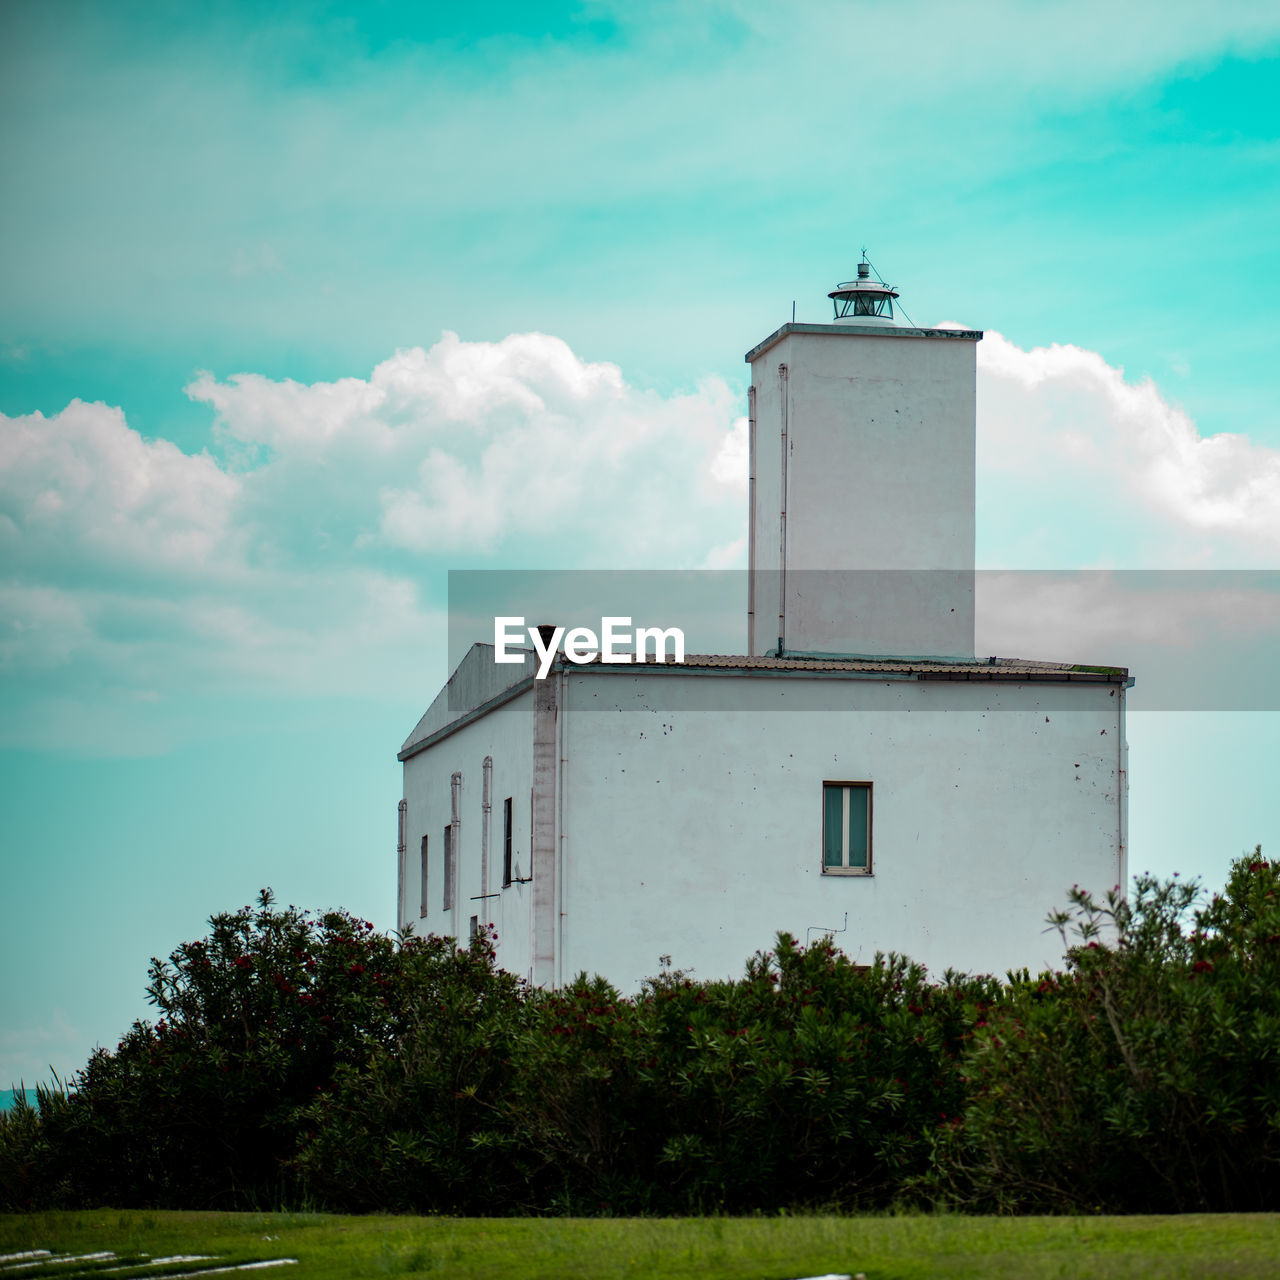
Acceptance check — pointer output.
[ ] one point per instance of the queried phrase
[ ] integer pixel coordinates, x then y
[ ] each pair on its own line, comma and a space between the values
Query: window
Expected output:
866, 304
474, 929
422, 893
448, 867
506, 842
846, 828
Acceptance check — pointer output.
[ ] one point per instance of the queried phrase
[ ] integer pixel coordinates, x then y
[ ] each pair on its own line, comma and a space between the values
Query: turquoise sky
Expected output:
221, 596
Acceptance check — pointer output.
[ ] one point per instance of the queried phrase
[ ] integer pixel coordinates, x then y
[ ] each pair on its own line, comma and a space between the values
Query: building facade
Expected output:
857, 772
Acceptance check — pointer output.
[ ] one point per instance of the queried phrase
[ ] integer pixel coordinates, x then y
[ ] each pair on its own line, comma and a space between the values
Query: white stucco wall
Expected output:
697, 833
505, 733
879, 476
681, 813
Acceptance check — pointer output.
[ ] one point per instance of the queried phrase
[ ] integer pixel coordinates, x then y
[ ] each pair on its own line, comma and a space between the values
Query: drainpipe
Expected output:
751, 520
486, 808
1123, 764
455, 821
402, 844
784, 390
545, 846
561, 883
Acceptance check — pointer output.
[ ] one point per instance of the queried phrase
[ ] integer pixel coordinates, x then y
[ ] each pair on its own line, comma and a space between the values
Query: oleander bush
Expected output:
306, 1060
422, 1123
197, 1109
810, 1081
1146, 1077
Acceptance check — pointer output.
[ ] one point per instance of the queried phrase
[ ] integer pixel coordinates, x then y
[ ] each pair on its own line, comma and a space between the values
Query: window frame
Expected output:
424, 902
846, 786
450, 869
866, 304
508, 835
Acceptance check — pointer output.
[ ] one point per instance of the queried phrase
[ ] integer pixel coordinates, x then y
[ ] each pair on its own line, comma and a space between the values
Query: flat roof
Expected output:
863, 330
432, 729
978, 669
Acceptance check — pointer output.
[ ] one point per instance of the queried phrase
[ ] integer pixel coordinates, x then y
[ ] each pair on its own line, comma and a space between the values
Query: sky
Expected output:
305, 306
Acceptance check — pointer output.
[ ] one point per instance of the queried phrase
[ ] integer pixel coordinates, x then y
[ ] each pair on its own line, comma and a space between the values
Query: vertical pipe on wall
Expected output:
561, 881
545, 854
1123, 766
784, 396
455, 840
402, 844
486, 808
751, 520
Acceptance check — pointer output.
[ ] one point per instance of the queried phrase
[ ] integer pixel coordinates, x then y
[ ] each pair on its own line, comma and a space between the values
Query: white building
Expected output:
858, 771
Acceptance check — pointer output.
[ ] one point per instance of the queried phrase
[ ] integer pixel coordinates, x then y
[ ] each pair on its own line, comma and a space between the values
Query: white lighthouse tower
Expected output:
862, 484
856, 772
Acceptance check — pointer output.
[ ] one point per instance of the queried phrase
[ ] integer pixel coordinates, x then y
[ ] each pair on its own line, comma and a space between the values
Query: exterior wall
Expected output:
879, 476
680, 813
698, 833
505, 734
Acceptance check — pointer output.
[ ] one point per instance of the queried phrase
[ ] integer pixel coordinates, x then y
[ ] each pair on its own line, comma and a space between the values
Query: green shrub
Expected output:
198, 1110
29, 1167
422, 1123
1147, 1077
810, 1081
311, 1060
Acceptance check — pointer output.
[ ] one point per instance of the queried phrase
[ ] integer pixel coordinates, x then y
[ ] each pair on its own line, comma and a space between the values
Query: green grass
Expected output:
885, 1248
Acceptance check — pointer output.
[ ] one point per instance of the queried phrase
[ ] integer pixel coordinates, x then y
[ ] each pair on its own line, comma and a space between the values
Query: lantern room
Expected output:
864, 300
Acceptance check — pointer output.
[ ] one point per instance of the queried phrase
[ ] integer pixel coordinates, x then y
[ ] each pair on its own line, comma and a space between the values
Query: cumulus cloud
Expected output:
471, 446
1078, 466
730, 465
81, 488
302, 553
1197, 639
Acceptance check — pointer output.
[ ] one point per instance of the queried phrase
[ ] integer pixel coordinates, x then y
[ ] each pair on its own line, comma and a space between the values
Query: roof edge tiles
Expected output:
979, 668
995, 670
864, 330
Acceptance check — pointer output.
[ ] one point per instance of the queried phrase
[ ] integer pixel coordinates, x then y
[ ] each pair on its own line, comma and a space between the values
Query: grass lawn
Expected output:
885, 1248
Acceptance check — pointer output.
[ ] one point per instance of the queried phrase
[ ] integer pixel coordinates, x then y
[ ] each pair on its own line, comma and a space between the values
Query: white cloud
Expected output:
1076, 455
730, 555
304, 561
83, 487
302, 556
1196, 640
40, 627
469, 445
732, 461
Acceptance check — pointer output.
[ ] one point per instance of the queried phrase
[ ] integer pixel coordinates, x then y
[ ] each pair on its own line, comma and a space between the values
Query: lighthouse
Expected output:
861, 508
855, 772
